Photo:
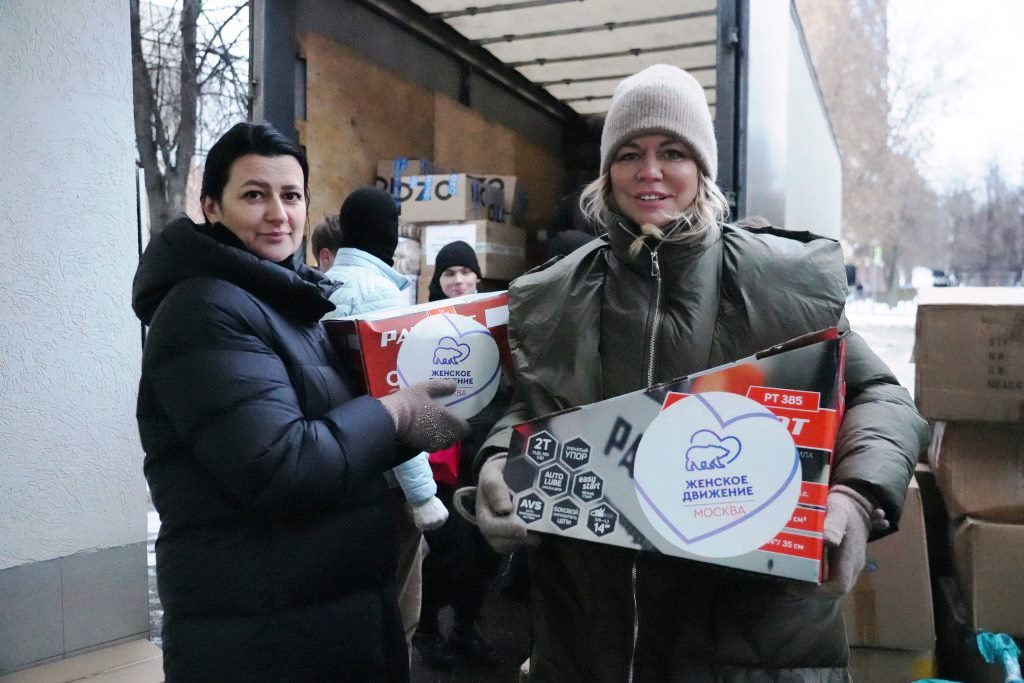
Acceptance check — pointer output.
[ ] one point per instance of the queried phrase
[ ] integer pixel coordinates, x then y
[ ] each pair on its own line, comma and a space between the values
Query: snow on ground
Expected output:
889, 332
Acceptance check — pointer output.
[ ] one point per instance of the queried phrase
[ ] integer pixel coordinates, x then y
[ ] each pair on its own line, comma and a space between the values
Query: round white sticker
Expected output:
450, 346
717, 474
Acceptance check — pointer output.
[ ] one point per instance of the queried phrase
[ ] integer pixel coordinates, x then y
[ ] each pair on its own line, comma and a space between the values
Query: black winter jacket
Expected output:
275, 559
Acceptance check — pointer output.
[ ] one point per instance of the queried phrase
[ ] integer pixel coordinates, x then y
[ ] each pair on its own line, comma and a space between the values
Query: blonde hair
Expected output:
700, 223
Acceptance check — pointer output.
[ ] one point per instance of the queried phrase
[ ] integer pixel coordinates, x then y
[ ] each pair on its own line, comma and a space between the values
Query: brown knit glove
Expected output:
848, 520
420, 420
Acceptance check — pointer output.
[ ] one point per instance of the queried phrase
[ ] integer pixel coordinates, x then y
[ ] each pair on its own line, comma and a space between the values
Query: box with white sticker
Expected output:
464, 339
729, 466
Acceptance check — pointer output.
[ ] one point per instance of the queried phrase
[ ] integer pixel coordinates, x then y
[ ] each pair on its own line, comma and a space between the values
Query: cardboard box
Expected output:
891, 604
516, 199
453, 197
979, 468
878, 665
987, 559
371, 343
729, 466
389, 169
500, 248
969, 354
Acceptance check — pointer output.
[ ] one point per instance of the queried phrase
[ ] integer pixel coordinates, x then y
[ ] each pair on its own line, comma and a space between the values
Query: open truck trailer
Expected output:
520, 87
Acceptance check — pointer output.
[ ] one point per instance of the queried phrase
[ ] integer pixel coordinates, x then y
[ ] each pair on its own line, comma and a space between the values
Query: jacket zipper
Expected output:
656, 274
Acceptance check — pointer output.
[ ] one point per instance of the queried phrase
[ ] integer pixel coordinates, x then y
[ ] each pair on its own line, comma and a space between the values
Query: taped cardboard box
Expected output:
516, 199
979, 468
891, 604
729, 466
374, 345
452, 197
390, 169
500, 248
969, 354
987, 559
878, 665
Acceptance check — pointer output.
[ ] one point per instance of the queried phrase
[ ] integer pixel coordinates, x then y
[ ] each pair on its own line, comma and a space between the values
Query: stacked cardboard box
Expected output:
390, 172
970, 383
889, 616
481, 209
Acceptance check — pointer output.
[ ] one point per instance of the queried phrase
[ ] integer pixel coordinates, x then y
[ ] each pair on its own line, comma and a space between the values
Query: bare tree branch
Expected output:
217, 33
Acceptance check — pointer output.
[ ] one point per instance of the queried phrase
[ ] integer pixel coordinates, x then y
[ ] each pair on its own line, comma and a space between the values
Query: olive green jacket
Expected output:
600, 323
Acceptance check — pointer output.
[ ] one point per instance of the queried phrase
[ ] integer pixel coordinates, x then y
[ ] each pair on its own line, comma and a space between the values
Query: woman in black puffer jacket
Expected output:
275, 560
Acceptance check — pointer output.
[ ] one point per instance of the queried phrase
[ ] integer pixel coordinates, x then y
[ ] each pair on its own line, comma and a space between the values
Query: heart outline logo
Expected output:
709, 451
450, 352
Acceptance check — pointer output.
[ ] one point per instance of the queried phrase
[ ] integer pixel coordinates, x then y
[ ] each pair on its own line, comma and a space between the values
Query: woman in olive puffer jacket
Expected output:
671, 290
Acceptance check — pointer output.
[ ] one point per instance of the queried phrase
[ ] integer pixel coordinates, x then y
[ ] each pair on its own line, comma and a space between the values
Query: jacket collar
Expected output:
622, 232
350, 257
184, 250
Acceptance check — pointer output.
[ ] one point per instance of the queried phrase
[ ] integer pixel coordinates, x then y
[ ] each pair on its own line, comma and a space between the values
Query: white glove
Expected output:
429, 514
503, 530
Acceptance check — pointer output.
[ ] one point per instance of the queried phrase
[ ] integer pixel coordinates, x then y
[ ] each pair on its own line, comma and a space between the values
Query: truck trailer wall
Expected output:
793, 172
366, 89
358, 113
814, 187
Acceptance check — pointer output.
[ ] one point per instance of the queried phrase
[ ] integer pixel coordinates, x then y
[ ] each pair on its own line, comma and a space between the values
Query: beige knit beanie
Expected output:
661, 99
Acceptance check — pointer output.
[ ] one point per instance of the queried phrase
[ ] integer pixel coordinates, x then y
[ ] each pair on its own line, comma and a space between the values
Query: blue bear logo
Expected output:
709, 451
450, 352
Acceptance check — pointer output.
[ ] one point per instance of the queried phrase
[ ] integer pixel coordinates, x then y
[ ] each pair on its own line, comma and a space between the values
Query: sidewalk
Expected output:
137, 661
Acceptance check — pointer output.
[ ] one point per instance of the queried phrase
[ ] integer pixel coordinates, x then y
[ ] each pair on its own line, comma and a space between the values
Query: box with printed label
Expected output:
979, 467
890, 606
464, 339
500, 248
516, 199
729, 466
452, 197
390, 169
969, 354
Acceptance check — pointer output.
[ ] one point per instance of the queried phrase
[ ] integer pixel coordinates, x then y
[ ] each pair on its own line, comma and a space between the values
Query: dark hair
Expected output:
453, 254
247, 138
326, 235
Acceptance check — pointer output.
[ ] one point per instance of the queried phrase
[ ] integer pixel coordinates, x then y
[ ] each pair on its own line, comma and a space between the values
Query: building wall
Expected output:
359, 113
72, 497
